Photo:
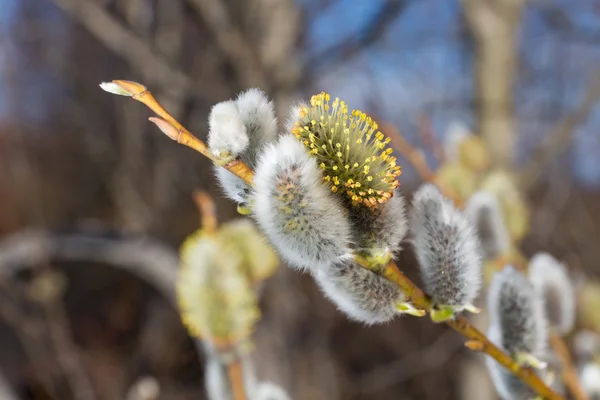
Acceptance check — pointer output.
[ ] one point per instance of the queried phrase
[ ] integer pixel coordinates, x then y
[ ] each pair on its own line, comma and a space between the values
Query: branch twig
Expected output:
570, 376
390, 271
559, 139
236, 378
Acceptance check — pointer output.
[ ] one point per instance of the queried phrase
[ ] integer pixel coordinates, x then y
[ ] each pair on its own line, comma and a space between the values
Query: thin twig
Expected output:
132, 48
390, 271
231, 41
559, 139
206, 208
570, 376
236, 378
62, 339
464, 327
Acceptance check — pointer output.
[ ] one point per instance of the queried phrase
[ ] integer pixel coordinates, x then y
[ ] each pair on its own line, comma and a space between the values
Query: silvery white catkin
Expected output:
551, 280
241, 128
269, 391
586, 345
517, 325
302, 218
508, 386
589, 377
382, 228
216, 383
447, 249
483, 210
361, 294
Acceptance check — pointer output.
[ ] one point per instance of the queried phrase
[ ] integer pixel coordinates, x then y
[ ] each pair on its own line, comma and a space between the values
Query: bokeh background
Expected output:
94, 200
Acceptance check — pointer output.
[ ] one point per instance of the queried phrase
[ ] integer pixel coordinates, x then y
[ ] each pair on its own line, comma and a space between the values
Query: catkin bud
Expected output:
361, 294
518, 312
305, 222
447, 250
240, 128
379, 232
483, 210
217, 300
508, 386
260, 261
552, 283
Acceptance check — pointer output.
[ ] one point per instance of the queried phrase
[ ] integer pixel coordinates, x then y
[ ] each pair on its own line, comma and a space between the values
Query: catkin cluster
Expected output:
326, 192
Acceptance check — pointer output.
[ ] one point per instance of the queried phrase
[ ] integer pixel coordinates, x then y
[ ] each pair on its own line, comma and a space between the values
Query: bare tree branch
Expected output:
494, 26
146, 258
231, 41
560, 138
375, 28
134, 50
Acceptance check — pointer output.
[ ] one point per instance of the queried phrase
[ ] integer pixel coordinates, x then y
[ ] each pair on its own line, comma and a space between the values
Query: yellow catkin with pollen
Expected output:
215, 284
350, 150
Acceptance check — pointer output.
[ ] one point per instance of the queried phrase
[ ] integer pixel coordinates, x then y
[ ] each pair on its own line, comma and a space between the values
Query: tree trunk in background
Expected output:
494, 25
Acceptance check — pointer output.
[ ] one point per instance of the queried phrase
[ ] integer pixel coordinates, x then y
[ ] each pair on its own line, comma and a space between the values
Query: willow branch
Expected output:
390, 271
464, 327
570, 376
236, 378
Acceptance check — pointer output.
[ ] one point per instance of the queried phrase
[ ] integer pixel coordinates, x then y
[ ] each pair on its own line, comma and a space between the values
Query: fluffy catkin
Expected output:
483, 210
508, 386
382, 229
269, 391
551, 280
241, 128
361, 294
305, 222
447, 250
590, 380
518, 312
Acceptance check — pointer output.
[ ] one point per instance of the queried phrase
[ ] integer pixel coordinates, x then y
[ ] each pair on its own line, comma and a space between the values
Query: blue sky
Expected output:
418, 65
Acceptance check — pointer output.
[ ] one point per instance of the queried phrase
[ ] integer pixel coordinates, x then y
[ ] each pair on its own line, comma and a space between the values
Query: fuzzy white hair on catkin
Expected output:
227, 132
483, 210
590, 380
241, 128
383, 228
551, 280
258, 114
362, 295
447, 249
302, 218
270, 391
518, 312
508, 386
217, 385
586, 345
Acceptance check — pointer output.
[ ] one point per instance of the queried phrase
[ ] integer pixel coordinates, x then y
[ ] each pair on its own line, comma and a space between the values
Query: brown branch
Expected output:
390, 271
494, 26
236, 379
570, 375
130, 47
150, 260
231, 41
206, 208
560, 138
62, 339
